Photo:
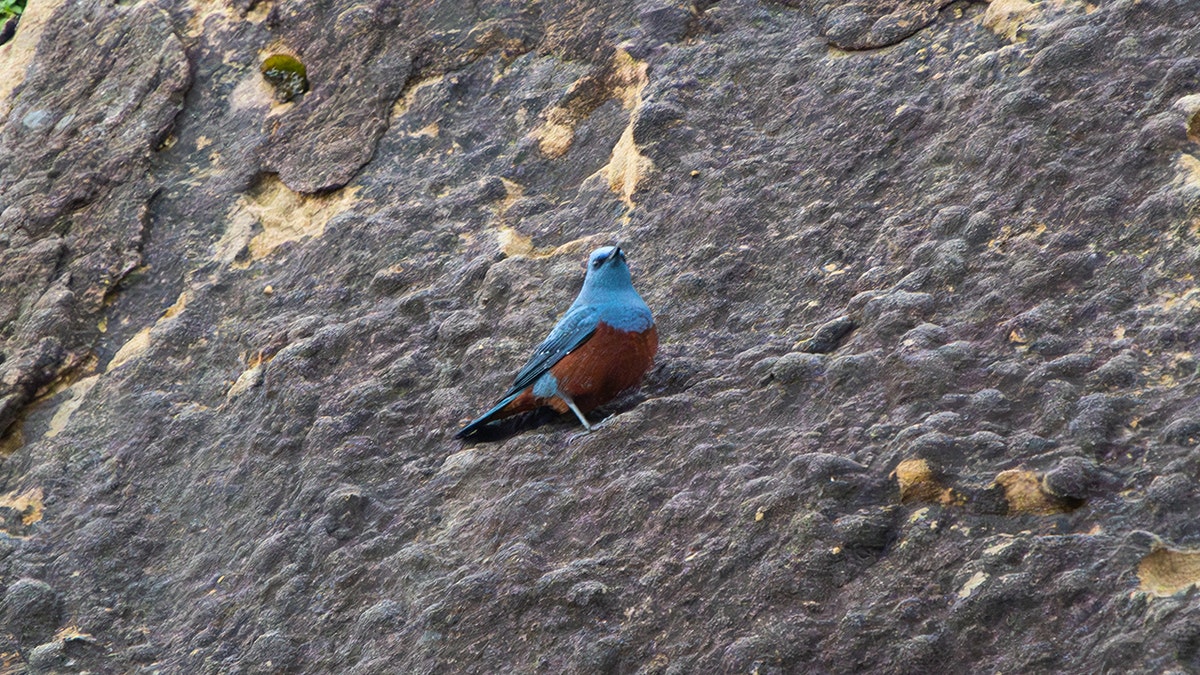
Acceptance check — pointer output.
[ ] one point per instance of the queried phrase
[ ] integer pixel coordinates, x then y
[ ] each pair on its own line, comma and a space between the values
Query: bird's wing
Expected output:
573, 330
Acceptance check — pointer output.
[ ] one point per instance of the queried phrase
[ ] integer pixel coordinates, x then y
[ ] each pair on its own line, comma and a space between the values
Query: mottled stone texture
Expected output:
925, 274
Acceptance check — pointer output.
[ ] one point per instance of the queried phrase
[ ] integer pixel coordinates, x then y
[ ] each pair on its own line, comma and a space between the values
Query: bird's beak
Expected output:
616, 254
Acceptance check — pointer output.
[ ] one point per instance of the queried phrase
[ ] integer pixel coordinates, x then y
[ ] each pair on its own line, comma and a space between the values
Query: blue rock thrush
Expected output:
601, 347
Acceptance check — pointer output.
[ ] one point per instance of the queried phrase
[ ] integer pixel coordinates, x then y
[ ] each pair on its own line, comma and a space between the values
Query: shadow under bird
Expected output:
601, 347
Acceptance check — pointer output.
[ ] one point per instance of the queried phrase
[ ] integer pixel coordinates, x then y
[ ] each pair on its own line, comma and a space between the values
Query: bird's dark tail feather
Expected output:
483, 419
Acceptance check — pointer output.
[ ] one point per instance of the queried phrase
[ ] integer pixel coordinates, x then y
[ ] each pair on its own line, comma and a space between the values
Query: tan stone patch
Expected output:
1191, 107
1008, 234
252, 91
250, 378
512, 192
430, 130
555, 135
28, 503
140, 342
1174, 301
62, 416
203, 10
1167, 571
14, 438
135, 347
974, 582
405, 102
628, 166
629, 79
624, 81
17, 54
12, 663
513, 242
280, 215
1187, 167
918, 482
75, 367
1024, 494
1007, 18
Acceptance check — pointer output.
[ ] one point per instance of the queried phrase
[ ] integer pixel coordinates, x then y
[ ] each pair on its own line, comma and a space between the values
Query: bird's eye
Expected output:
598, 262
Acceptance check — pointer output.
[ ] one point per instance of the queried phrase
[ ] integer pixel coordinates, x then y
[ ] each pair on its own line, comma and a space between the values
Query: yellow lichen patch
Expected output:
135, 347
627, 166
1006, 18
27, 503
1190, 107
629, 79
1167, 571
430, 130
68, 407
405, 102
918, 482
250, 378
572, 248
1009, 233
203, 10
176, 307
234, 240
997, 548
1187, 169
512, 192
1170, 302
139, 343
17, 54
1024, 494
72, 632
555, 135
69, 373
13, 438
513, 242
281, 216
12, 663
624, 81
974, 582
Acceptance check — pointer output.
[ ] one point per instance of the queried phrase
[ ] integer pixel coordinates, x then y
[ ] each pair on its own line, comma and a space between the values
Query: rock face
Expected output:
925, 275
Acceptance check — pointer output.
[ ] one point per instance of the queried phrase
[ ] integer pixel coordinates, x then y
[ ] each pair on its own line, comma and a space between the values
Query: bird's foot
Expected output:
593, 428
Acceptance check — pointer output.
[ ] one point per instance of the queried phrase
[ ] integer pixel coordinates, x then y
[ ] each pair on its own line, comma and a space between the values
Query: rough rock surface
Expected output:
925, 277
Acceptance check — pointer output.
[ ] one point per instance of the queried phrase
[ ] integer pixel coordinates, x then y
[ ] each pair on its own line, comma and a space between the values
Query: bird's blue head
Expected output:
607, 277
607, 269
609, 288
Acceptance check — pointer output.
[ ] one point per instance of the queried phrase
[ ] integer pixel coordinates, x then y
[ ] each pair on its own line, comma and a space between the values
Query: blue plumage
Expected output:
608, 297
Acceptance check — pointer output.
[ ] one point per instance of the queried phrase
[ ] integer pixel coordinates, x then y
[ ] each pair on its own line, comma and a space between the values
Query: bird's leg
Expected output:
575, 409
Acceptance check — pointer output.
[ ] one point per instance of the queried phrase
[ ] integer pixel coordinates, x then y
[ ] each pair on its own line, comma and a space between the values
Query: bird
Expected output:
601, 347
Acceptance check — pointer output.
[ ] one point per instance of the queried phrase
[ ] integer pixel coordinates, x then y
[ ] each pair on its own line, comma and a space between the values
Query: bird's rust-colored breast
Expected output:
608, 363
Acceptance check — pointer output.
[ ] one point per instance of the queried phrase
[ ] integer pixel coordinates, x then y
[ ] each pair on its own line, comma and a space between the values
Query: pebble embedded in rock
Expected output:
32, 611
